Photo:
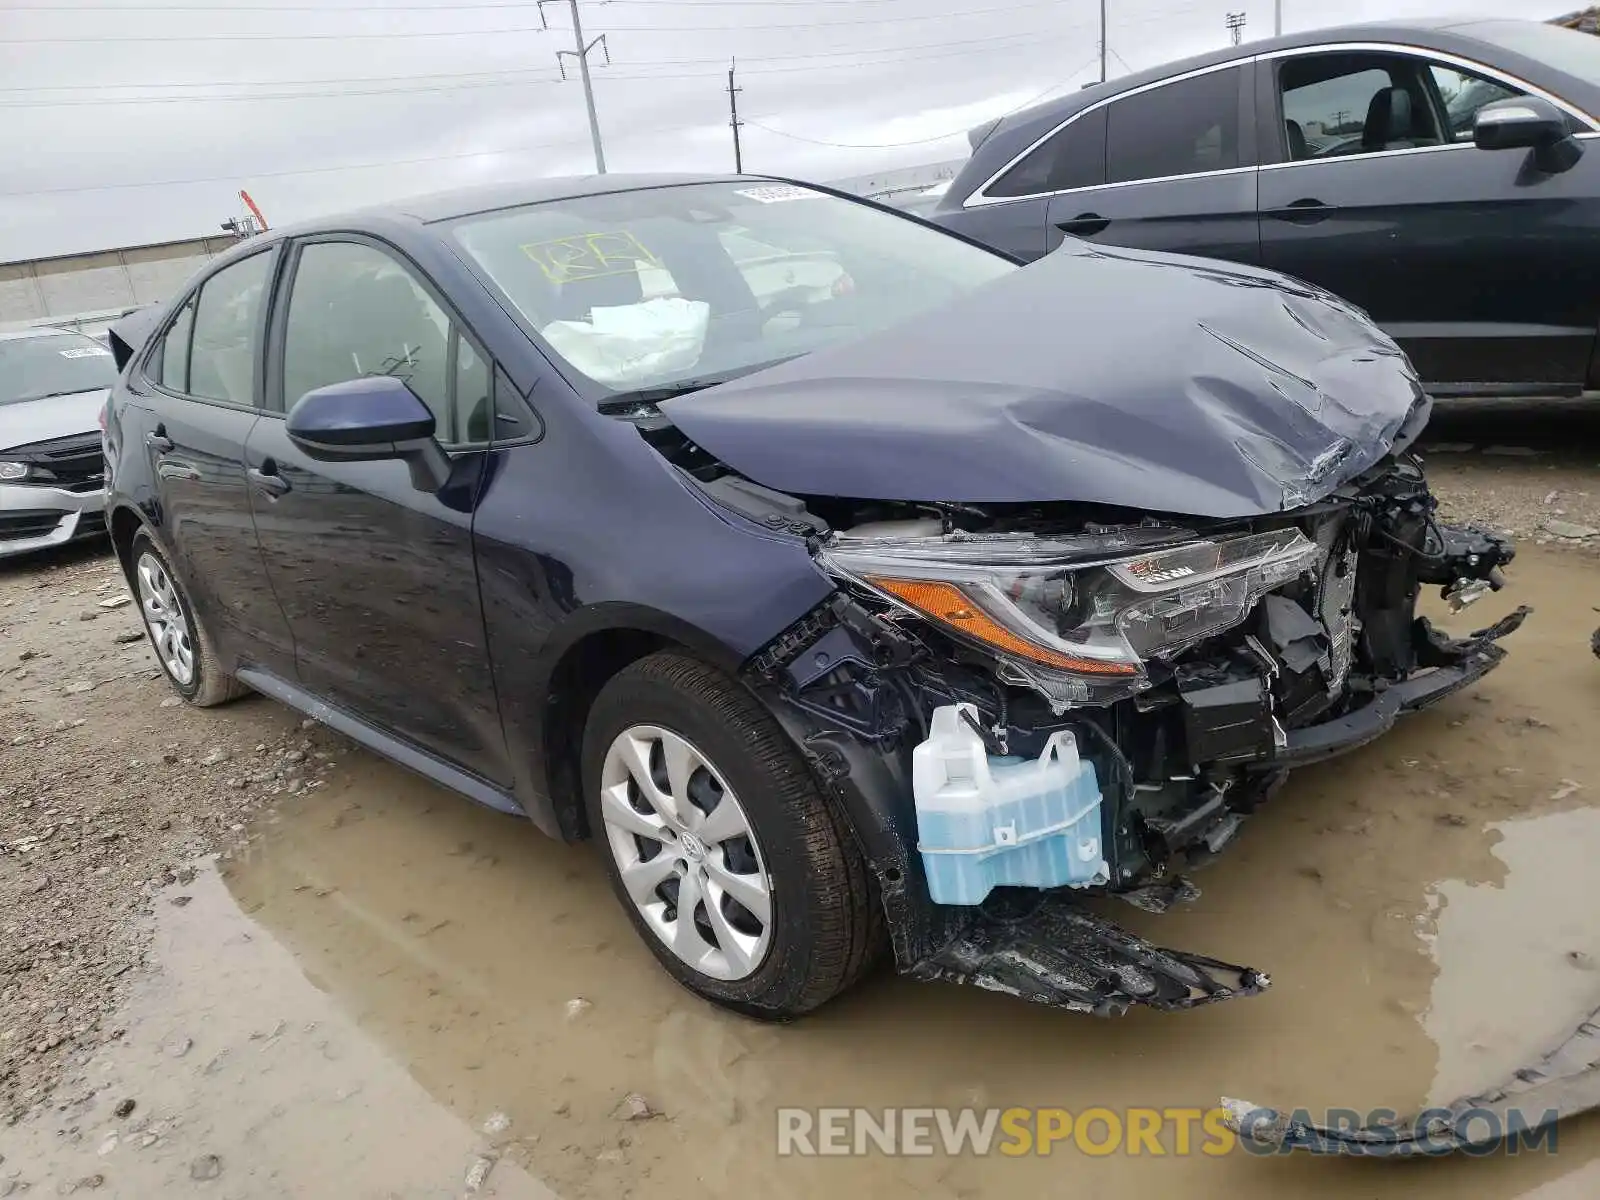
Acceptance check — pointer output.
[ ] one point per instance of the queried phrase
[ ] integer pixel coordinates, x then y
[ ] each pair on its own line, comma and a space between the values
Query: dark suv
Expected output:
685, 514
1444, 177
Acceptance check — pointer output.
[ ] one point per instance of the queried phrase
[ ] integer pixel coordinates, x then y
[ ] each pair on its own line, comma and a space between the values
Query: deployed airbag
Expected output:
626, 345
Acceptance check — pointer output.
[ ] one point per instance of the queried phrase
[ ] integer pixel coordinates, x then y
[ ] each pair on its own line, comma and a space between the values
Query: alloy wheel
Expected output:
163, 615
686, 852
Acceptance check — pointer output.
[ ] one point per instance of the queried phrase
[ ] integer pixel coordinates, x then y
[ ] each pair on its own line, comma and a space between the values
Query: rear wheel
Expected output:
183, 647
731, 864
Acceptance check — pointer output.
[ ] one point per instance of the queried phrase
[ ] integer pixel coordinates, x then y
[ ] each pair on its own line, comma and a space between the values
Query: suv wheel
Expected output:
729, 861
182, 645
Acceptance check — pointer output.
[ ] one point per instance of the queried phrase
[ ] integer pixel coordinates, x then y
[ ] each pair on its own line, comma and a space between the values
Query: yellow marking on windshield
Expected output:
589, 256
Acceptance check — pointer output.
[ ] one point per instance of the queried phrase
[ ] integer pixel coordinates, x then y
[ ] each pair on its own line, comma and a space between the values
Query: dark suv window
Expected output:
227, 331
1075, 157
355, 311
1176, 129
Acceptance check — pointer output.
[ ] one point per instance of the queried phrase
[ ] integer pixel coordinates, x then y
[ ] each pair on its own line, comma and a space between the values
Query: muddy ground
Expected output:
240, 957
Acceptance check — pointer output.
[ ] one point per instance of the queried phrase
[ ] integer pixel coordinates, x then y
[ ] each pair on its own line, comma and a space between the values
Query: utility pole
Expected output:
581, 53
1235, 24
733, 118
1102, 41
1277, 18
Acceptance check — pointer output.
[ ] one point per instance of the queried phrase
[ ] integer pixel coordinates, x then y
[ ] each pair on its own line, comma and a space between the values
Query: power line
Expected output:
813, 25
213, 8
1012, 42
256, 97
379, 8
385, 79
235, 176
1026, 5
817, 61
269, 37
207, 83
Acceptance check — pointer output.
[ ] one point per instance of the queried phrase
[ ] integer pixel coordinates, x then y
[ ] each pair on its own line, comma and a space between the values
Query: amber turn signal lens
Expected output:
949, 605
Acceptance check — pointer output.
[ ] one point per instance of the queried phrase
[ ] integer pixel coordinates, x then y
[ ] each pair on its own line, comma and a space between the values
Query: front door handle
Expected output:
266, 479
1302, 212
158, 440
1084, 225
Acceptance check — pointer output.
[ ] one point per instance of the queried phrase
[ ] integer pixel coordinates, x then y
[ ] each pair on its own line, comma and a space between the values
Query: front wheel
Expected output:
731, 864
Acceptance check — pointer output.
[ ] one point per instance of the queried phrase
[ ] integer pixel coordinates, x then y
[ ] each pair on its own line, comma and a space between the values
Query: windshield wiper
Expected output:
624, 401
629, 401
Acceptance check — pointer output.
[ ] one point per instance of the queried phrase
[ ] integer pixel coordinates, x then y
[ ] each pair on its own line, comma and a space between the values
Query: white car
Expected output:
53, 385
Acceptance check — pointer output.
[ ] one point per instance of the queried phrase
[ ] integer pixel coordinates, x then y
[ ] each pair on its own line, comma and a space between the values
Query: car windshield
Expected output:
1577, 54
665, 289
55, 364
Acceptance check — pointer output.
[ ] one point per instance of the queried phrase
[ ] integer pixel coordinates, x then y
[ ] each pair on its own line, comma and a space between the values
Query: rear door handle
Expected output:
1302, 212
266, 479
159, 439
1084, 225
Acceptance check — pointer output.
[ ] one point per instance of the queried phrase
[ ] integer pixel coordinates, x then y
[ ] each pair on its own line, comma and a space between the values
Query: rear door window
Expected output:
1179, 128
169, 365
1074, 157
227, 331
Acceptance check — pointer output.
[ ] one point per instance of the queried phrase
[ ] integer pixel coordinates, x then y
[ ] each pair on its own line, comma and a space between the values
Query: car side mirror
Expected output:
366, 419
1527, 123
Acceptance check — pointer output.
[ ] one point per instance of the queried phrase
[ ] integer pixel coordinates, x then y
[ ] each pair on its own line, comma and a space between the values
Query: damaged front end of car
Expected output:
1188, 663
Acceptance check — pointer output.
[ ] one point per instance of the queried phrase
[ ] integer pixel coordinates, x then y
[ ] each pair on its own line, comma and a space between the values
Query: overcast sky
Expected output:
133, 123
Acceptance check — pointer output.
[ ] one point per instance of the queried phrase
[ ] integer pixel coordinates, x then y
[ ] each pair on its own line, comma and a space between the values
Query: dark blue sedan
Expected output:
803, 555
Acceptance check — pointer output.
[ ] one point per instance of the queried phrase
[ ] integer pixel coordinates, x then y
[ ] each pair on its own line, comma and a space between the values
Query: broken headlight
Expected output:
1075, 618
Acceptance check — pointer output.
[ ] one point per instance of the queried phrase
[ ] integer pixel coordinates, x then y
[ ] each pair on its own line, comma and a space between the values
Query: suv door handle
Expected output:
1302, 212
1084, 225
266, 479
159, 439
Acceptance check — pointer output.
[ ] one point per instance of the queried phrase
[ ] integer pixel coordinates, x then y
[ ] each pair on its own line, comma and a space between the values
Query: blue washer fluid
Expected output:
984, 820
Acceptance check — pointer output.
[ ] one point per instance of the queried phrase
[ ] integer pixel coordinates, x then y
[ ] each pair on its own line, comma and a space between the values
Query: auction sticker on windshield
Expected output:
85, 352
777, 193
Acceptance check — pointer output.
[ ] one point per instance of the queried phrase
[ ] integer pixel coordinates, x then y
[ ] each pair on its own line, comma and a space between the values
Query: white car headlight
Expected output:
10, 472
1077, 617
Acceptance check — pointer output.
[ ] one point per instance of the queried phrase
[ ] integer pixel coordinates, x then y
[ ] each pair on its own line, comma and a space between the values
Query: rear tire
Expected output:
182, 645
781, 847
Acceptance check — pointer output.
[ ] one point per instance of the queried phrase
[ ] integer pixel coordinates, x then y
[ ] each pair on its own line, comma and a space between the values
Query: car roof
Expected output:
462, 202
1398, 31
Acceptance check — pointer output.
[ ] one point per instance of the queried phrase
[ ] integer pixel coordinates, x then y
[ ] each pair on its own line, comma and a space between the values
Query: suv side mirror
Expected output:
375, 417
1527, 123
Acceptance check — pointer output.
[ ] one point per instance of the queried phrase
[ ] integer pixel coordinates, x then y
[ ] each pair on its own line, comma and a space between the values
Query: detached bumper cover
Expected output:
1563, 1083
1053, 952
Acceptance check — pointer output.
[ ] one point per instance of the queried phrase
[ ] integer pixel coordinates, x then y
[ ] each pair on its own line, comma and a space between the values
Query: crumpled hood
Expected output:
53, 417
1098, 375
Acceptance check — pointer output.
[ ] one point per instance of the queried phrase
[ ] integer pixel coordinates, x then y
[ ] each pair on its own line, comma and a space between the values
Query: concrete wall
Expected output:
58, 288
895, 180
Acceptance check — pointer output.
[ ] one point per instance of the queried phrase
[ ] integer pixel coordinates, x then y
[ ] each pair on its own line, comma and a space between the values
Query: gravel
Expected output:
106, 791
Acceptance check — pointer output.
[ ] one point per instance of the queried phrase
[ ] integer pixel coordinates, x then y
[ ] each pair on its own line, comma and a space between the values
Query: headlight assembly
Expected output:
10, 472
1078, 617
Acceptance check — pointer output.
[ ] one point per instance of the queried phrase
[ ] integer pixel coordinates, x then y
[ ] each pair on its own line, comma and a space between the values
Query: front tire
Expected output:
181, 643
730, 862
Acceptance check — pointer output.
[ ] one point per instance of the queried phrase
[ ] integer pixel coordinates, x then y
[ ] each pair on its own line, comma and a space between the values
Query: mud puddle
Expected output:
408, 965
